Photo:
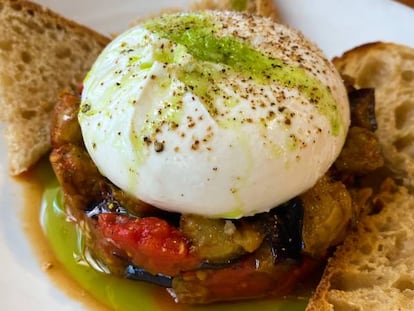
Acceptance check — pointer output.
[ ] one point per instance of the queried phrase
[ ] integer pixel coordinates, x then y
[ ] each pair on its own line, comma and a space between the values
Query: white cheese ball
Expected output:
216, 114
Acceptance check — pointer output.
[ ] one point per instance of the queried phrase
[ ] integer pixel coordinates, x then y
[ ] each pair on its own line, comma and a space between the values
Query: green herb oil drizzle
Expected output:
198, 34
65, 240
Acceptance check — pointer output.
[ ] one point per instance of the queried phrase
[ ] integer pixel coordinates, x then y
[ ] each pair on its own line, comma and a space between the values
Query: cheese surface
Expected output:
215, 114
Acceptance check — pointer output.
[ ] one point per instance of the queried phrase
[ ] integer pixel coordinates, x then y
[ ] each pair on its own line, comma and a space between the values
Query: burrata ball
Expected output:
219, 114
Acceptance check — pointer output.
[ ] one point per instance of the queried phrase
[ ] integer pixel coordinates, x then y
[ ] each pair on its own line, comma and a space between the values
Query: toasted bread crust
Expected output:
372, 270
389, 68
41, 53
51, 16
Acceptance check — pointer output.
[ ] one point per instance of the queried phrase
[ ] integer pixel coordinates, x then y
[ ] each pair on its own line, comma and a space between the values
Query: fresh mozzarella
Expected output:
216, 114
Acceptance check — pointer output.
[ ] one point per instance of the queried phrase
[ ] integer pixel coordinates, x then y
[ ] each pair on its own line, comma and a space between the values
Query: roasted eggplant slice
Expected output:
361, 153
328, 213
139, 274
362, 103
221, 240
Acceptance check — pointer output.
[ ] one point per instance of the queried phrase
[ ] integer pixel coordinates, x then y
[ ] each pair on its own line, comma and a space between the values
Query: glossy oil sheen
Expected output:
121, 294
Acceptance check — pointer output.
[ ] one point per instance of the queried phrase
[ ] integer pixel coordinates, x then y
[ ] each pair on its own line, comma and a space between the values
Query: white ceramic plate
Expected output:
335, 25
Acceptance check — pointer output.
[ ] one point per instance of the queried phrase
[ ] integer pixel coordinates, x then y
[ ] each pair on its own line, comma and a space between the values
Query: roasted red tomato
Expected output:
252, 277
149, 242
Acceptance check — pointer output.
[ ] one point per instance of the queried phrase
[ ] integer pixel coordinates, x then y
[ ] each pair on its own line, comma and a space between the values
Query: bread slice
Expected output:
374, 268
259, 7
389, 68
41, 53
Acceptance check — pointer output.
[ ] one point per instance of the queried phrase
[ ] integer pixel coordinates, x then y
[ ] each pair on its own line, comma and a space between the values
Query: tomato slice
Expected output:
153, 244
248, 279
149, 242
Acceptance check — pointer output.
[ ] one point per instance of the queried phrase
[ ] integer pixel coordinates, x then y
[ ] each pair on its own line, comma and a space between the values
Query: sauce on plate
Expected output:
57, 245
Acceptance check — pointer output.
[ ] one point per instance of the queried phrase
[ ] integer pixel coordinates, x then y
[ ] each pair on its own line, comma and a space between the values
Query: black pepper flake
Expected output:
158, 146
146, 140
195, 145
271, 115
85, 108
173, 125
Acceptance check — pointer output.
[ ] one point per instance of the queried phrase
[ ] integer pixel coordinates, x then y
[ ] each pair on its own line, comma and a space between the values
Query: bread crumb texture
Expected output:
41, 54
389, 68
374, 268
